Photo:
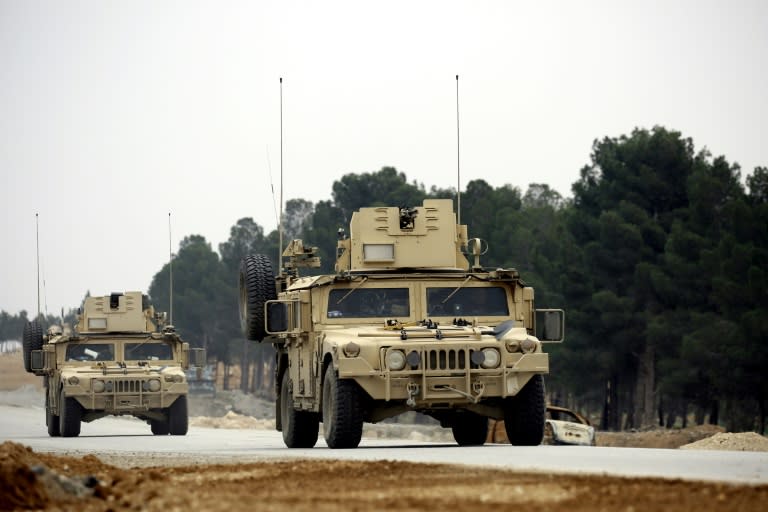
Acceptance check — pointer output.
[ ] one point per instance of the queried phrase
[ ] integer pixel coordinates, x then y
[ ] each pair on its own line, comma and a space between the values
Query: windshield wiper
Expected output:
456, 290
352, 290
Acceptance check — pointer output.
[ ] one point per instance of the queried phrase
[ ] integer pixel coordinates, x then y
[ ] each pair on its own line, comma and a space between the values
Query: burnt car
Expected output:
564, 426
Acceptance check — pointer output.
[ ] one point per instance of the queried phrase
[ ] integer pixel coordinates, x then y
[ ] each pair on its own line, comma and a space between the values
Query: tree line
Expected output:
660, 259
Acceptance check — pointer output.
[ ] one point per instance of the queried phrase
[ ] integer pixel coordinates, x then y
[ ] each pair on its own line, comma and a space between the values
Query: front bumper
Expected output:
444, 377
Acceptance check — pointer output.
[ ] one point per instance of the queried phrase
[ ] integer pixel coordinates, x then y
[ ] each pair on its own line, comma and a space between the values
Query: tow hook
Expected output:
478, 388
413, 391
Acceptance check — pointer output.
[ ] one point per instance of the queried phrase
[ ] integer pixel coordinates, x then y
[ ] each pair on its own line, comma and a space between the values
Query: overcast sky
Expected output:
115, 113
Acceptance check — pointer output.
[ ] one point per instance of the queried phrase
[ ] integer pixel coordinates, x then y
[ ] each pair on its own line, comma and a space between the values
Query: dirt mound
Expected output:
331, 485
740, 442
657, 438
33, 480
233, 420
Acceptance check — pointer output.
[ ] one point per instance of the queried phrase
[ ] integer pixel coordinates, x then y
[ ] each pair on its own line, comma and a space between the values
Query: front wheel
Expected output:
300, 428
470, 429
70, 414
51, 420
178, 417
524, 414
342, 411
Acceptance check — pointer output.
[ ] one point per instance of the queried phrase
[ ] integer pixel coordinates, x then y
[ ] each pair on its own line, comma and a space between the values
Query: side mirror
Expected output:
550, 325
37, 360
277, 317
197, 357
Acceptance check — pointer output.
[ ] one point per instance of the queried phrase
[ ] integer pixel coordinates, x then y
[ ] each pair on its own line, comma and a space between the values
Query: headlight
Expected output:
178, 378
73, 381
395, 360
528, 345
513, 346
154, 384
97, 385
492, 358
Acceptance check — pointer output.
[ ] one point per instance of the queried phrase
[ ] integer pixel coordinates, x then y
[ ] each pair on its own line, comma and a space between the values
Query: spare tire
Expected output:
257, 286
32, 339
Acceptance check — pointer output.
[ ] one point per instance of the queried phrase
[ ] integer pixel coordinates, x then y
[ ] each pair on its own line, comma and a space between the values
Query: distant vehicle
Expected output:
564, 426
406, 323
202, 381
121, 359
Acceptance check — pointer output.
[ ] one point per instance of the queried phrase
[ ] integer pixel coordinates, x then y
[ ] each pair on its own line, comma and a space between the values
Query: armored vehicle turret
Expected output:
120, 359
410, 321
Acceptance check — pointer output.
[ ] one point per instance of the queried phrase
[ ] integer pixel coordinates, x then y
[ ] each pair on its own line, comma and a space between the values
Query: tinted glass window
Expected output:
148, 351
467, 302
91, 352
369, 302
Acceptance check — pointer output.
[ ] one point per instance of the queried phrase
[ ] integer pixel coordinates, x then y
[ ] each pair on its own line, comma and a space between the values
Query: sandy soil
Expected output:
38, 481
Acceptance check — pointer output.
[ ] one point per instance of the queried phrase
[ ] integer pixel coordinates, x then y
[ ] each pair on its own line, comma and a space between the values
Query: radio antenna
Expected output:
280, 222
170, 269
458, 157
37, 238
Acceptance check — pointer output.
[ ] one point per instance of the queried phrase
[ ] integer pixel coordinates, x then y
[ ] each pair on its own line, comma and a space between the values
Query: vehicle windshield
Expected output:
368, 303
148, 351
90, 352
487, 301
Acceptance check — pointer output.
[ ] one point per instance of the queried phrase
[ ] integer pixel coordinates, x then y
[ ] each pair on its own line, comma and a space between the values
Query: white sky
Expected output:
113, 113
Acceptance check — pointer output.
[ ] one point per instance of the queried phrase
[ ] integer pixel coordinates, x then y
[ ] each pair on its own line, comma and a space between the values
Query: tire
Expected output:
178, 417
32, 339
342, 411
524, 414
300, 428
257, 286
70, 414
51, 420
470, 429
159, 427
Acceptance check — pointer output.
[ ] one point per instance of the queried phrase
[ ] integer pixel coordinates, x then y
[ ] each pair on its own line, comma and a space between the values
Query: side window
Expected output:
369, 303
490, 301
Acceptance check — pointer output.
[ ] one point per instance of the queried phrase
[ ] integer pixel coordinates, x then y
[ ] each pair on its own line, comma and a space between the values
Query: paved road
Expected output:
126, 436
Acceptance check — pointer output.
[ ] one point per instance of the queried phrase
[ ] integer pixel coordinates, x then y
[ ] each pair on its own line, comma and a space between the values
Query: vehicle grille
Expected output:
446, 359
127, 386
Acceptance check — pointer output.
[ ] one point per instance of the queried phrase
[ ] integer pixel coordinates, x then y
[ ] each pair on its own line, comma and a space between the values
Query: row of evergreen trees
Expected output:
660, 260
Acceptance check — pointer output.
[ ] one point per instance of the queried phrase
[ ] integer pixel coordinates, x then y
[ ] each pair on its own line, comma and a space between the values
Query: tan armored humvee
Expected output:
121, 360
405, 324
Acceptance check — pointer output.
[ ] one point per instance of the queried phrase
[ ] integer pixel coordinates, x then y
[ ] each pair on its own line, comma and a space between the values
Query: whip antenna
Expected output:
458, 157
280, 223
37, 238
170, 269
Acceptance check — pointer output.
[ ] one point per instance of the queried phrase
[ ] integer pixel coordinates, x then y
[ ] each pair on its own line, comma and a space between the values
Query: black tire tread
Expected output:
344, 427
300, 428
32, 339
259, 286
51, 420
178, 417
70, 414
524, 414
470, 429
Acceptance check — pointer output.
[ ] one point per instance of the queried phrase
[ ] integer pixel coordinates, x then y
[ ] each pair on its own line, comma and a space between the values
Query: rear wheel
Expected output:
524, 414
470, 429
178, 417
32, 339
342, 411
70, 414
257, 286
51, 420
159, 427
300, 428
